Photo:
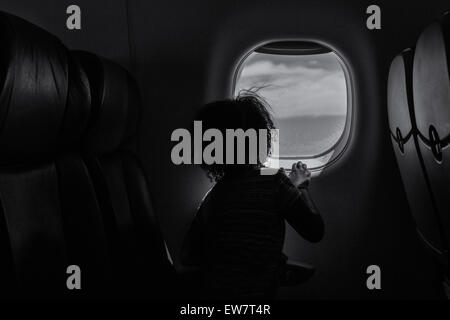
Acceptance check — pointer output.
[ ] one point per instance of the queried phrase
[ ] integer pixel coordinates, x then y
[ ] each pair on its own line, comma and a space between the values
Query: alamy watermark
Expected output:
241, 147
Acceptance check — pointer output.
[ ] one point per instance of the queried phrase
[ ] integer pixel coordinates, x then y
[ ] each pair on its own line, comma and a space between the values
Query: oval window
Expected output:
309, 101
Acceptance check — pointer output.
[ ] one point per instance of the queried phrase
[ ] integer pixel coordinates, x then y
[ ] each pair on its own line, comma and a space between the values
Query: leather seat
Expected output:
404, 138
108, 148
431, 91
44, 107
71, 188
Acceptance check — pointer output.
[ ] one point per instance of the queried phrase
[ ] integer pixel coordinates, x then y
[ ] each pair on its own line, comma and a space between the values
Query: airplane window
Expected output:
308, 96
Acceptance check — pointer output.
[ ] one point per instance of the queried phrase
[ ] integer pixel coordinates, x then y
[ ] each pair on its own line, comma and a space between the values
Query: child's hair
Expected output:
247, 111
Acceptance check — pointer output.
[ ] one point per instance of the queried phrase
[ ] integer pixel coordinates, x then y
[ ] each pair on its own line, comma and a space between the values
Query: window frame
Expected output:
341, 145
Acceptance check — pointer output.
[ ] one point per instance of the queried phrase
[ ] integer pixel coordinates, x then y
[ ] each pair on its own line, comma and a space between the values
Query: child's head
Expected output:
247, 111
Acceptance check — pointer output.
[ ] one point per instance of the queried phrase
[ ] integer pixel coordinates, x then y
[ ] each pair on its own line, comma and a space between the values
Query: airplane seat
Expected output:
71, 189
49, 216
109, 145
431, 91
404, 138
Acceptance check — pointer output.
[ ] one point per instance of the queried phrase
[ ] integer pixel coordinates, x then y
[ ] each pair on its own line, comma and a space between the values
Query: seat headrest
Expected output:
431, 84
115, 104
44, 98
400, 97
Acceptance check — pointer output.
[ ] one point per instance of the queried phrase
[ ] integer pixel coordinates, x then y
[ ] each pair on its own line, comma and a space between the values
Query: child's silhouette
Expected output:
238, 233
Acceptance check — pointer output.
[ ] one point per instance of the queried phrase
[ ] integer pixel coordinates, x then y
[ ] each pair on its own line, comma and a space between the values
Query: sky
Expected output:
307, 85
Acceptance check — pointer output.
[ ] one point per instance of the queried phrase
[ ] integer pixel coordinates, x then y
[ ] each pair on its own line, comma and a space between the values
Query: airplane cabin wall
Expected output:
103, 30
182, 54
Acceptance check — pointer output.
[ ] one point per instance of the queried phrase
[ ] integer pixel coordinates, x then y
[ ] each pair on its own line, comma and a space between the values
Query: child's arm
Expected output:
304, 217
300, 211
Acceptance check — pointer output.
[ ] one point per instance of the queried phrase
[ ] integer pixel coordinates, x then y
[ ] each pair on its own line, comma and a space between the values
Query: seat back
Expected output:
431, 90
409, 158
48, 208
108, 148
71, 189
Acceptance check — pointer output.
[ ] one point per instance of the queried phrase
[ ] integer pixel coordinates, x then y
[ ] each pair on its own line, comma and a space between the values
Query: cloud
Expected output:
297, 85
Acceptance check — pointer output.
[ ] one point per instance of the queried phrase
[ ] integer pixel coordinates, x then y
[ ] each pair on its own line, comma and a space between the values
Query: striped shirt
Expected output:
238, 233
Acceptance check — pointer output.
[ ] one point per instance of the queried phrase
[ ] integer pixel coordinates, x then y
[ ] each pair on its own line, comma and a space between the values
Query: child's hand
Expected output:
300, 174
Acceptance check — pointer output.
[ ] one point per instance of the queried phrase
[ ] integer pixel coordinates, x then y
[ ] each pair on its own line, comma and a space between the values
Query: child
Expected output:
237, 235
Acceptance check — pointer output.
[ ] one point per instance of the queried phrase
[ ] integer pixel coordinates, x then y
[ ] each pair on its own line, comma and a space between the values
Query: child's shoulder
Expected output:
274, 174
264, 176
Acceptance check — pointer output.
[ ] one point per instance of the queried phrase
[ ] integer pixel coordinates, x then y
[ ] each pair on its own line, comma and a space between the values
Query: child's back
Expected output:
238, 233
